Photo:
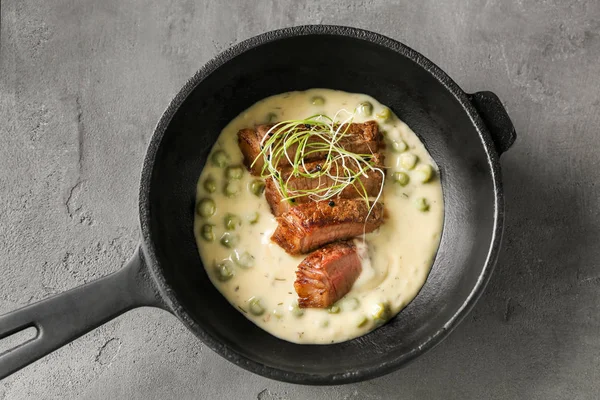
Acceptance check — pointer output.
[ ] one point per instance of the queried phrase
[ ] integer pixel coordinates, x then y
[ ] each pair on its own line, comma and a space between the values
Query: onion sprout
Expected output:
321, 137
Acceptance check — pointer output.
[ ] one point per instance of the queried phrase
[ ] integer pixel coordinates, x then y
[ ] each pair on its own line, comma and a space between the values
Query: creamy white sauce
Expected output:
396, 259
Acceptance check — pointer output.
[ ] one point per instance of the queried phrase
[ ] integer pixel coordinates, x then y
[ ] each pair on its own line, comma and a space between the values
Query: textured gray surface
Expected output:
82, 84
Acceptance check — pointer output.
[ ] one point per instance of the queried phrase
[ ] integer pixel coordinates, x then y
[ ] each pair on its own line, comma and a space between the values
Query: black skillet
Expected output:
464, 133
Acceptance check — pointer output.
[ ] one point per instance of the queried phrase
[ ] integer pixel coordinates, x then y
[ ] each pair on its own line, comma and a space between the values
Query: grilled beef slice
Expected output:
371, 183
326, 275
360, 138
309, 226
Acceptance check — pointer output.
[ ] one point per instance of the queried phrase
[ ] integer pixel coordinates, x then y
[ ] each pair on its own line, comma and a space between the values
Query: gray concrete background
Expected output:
84, 82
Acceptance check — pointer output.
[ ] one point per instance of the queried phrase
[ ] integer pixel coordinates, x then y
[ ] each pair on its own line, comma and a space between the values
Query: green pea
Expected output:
381, 313
255, 306
365, 109
334, 309
244, 260
401, 178
232, 221
230, 240
207, 232
385, 114
234, 172
232, 188
277, 314
220, 158
271, 117
253, 218
317, 101
408, 160
421, 204
423, 173
362, 321
296, 310
257, 187
206, 208
224, 270
399, 146
210, 185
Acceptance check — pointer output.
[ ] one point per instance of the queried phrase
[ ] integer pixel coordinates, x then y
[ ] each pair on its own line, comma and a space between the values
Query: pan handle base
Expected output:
496, 119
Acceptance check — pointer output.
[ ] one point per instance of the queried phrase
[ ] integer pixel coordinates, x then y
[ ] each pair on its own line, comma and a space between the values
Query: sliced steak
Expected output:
360, 138
371, 183
327, 275
309, 226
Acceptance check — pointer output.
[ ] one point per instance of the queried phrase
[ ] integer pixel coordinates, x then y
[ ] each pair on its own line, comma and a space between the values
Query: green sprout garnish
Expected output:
317, 136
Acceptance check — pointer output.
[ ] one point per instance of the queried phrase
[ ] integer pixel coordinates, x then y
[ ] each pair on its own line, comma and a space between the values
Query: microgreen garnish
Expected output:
318, 136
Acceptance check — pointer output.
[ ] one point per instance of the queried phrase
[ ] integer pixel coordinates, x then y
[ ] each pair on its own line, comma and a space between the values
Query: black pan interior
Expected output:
354, 65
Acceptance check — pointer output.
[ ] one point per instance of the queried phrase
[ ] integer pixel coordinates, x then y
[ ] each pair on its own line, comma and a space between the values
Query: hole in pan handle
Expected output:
495, 118
65, 317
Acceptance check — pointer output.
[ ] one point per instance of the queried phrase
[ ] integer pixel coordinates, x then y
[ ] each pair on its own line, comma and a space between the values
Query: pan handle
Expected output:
495, 117
65, 317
